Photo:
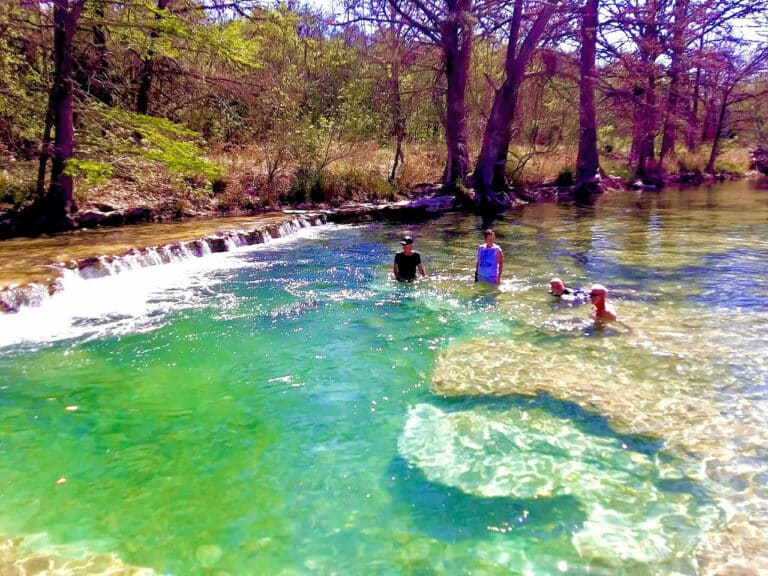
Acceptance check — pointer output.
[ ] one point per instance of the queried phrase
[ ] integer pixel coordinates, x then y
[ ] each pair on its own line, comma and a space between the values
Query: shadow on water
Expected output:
450, 515
732, 279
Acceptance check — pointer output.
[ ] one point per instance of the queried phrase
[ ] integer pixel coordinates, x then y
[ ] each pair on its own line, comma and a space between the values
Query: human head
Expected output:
407, 243
489, 235
556, 286
597, 293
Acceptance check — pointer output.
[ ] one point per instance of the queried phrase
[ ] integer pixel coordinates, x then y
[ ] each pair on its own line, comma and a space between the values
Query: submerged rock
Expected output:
17, 560
685, 420
636, 509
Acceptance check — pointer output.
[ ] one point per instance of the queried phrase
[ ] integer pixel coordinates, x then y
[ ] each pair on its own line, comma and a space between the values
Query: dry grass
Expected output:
257, 175
730, 159
523, 168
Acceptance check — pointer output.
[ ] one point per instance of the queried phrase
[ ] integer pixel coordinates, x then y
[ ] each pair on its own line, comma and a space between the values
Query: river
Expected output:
288, 408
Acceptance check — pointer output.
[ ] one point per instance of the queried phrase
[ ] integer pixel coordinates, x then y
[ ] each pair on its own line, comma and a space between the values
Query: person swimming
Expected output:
558, 289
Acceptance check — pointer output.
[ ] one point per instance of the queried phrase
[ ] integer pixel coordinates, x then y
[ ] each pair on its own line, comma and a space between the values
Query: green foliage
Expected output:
306, 184
609, 140
159, 139
310, 145
364, 185
722, 165
90, 171
22, 97
356, 111
13, 191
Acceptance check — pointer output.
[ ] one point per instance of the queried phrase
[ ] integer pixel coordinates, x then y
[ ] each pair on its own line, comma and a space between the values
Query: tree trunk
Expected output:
45, 149
671, 116
488, 177
637, 123
587, 160
102, 83
59, 204
148, 64
709, 124
395, 99
456, 37
693, 120
648, 169
718, 130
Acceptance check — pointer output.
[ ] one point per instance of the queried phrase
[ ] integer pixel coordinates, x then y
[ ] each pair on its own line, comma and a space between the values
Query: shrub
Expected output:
338, 187
723, 165
304, 185
691, 161
14, 191
156, 139
365, 185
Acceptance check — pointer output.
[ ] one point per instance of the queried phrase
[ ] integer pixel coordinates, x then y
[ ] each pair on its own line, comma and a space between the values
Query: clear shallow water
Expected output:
288, 409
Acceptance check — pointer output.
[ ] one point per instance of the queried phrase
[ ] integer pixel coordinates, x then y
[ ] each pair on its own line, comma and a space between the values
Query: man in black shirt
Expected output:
407, 261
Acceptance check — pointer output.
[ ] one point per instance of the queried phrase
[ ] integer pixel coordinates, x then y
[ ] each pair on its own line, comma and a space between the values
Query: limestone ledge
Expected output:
49, 269
404, 211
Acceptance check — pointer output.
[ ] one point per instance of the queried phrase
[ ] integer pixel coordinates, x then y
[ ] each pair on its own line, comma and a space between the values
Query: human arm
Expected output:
421, 269
500, 263
396, 270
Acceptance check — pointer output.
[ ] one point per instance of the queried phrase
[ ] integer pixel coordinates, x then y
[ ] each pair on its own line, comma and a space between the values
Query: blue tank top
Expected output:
487, 267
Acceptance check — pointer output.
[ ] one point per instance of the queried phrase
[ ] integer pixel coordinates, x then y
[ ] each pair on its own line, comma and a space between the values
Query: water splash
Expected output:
131, 294
13, 298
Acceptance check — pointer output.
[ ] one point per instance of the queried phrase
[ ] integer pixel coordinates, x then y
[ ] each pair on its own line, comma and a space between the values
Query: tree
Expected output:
737, 75
148, 62
59, 204
676, 54
587, 160
488, 177
448, 25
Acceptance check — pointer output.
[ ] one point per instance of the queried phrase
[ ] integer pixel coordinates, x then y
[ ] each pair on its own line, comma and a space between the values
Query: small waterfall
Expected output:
14, 297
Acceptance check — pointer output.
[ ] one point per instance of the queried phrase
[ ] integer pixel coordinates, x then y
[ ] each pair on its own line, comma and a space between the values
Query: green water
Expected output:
289, 409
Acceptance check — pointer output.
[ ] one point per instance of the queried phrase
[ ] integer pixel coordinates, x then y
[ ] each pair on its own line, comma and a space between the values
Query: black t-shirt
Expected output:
407, 264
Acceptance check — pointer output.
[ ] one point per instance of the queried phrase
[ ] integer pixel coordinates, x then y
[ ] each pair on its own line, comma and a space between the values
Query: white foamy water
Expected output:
135, 296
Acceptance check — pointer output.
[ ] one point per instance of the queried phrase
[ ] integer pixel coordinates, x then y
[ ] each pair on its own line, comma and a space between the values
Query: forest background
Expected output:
174, 108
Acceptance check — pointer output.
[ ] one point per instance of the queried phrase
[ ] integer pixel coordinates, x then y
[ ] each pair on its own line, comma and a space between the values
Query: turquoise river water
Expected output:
290, 409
